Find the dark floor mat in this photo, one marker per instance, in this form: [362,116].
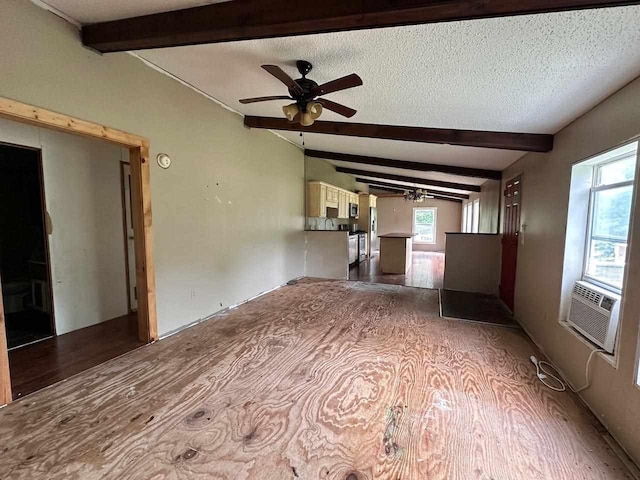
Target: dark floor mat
[477,307]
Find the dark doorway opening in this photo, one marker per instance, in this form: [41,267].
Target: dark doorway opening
[24,252]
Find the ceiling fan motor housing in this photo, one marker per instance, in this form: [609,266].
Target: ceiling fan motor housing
[307,86]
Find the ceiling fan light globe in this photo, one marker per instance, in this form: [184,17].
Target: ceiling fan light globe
[290,111]
[306,120]
[314,109]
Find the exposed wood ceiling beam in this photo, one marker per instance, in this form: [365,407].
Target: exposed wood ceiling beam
[252,19]
[417,166]
[400,190]
[402,178]
[442,193]
[529,142]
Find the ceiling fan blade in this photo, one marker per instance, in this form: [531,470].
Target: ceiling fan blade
[264,99]
[284,78]
[336,107]
[343,83]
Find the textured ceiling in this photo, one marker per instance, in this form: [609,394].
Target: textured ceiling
[532,74]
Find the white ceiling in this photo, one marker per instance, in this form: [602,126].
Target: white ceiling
[532,74]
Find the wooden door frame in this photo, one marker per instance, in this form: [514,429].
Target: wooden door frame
[141,214]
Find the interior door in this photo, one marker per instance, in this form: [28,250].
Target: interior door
[129,238]
[510,239]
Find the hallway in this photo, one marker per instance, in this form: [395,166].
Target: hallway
[427,271]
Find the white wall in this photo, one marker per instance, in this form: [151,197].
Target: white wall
[228,216]
[83,197]
[539,286]
[395,215]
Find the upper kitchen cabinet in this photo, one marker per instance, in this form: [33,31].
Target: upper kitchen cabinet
[343,204]
[316,199]
[321,196]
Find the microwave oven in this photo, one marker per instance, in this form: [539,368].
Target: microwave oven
[353,210]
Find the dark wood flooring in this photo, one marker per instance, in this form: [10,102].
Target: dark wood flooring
[427,271]
[325,380]
[49,361]
[476,307]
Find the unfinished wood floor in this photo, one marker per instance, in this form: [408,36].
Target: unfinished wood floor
[320,380]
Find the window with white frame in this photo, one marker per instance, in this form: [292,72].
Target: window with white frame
[475,224]
[609,216]
[465,216]
[424,224]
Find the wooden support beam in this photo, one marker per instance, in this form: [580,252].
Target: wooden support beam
[380,183]
[401,178]
[417,166]
[252,19]
[527,142]
[399,191]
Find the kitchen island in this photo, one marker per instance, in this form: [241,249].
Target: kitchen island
[395,252]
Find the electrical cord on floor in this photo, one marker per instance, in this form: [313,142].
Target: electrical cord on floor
[544,374]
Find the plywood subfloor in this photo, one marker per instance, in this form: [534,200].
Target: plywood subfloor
[320,380]
[427,271]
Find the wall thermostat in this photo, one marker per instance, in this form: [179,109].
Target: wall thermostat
[164,160]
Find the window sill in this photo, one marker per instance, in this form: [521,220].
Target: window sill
[612,360]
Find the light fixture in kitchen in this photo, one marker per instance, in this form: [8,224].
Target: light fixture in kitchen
[416,195]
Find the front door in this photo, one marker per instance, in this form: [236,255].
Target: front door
[510,239]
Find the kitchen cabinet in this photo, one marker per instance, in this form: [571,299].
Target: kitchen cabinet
[316,200]
[332,197]
[343,204]
[321,196]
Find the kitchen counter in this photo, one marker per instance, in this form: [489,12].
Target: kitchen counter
[327,254]
[395,252]
[397,235]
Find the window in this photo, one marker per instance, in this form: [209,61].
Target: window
[609,215]
[475,227]
[465,216]
[424,225]
[471,217]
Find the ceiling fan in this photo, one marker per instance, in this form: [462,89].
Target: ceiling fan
[308,107]
[417,195]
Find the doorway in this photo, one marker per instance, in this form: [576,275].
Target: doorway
[24,249]
[510,240]
[146,326]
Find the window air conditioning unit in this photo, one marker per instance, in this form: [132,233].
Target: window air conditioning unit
[594,312]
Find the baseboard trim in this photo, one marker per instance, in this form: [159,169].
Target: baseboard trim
[223,311]
[610,438]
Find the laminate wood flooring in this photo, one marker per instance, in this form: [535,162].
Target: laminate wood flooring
[427,271]
[318,380]
[49,361]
